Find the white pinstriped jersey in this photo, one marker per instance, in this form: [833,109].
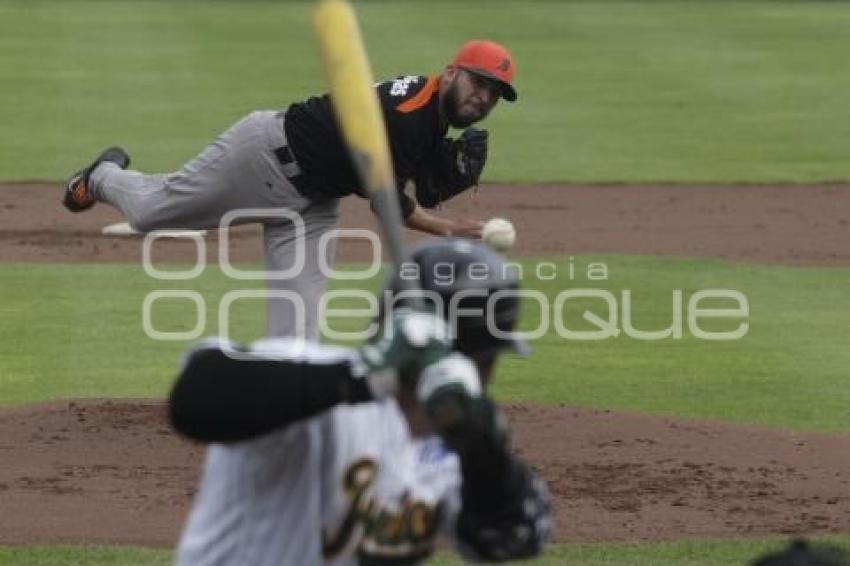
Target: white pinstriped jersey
[348,484]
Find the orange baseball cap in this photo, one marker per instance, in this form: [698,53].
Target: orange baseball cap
[488,59]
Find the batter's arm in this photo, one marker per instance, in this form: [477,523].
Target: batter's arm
[228,394]
[219,397]
[505,509]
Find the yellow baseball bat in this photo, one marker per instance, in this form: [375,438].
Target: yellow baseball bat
[359,112]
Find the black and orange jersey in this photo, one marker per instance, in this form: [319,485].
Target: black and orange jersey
[416,137]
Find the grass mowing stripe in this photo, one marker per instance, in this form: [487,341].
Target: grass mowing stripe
[696,552]
[788,369]
[84,556]
[703,552]
[75,331]
[609,91]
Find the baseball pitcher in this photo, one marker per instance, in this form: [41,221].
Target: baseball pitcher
[296,159]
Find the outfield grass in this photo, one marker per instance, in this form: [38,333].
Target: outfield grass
[679,553]
[609,91]
[59,339]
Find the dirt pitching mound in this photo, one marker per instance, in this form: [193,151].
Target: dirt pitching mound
[804,225]
[112,472]
[93,472]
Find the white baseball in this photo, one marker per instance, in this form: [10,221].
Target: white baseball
[499,234]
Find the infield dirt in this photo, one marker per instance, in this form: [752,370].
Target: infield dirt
[800,225]
[111,471]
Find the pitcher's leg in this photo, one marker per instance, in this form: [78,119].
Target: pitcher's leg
[231,173]
[297,313]
[135,194]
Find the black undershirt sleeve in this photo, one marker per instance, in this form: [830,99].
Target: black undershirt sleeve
[490,473]
[505,510]
[218,398]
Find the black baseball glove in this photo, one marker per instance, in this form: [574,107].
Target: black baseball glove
[471,148]
[456,167]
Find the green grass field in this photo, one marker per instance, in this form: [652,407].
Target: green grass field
[787,371]
[621,91]
[680,553]
[609,91]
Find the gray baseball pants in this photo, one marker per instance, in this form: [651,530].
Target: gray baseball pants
[239,170]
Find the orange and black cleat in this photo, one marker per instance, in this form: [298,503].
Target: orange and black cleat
[78,197]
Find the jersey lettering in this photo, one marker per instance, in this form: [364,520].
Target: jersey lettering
[408,530]
[402,85]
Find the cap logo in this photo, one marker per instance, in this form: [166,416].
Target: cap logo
[504,65]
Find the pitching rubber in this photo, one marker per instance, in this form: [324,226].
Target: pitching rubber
[124,229]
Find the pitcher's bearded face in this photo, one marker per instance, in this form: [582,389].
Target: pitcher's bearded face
[469,98]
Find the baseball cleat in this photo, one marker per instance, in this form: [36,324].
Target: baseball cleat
[78,197]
